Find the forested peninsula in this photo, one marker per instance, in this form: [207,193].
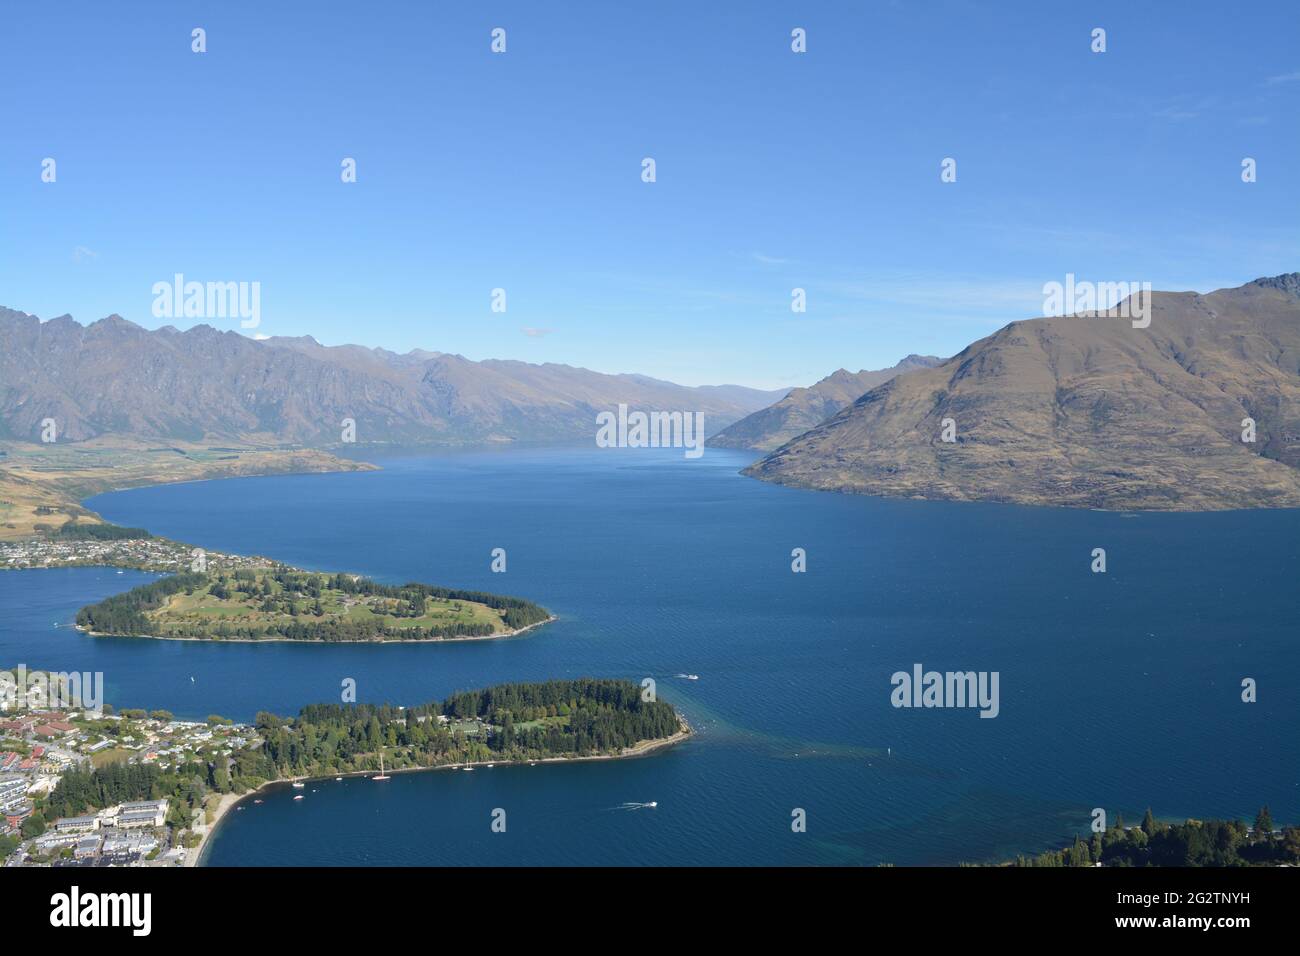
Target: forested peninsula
[580,719]
[559,719]
[286,604]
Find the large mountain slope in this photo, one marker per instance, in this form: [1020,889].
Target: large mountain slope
[805,408]
[113,377]
[1086,411]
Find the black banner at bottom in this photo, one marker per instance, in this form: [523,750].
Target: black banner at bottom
[296,906]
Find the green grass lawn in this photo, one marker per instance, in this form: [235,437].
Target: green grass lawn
[239,608]
[112,755]
[436,612]
[544,722]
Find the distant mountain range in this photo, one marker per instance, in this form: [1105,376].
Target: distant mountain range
[1083,410]
[114,377]
[1086,411]
[805,408]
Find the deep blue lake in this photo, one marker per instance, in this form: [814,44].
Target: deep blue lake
[1119,690]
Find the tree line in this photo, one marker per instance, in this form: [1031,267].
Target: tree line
[570,718]
[187,786]
[1218,843]
[522,721]
[76,531]
[124,614]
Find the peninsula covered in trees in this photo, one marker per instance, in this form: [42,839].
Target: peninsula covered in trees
[286,604]
[208,767]
[560,719]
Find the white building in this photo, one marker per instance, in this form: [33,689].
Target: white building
[76,824]
[147,813]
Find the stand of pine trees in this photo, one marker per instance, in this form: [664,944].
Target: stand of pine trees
[186,786]
[1194,843]
[573,718]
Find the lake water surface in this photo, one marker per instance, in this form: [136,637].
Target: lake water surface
[1119,690]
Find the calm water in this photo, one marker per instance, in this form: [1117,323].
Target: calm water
[1117,690]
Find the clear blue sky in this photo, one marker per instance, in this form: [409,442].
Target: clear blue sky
[522,170]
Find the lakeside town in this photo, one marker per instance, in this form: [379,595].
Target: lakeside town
[84,785]
[142,553]
[41,749]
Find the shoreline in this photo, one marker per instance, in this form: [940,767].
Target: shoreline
[106,464]
[194,856]
[288,640]
[230,800]
[154,481]
[227,801]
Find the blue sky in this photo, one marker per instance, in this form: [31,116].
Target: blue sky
[523,171]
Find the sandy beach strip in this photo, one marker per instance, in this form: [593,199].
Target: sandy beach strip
[227,801]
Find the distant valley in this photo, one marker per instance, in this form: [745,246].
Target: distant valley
[805,408]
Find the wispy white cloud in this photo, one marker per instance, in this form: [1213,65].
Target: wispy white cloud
[1283,78]
[82,254]
[1185,108]
[536,333]
[937,295]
